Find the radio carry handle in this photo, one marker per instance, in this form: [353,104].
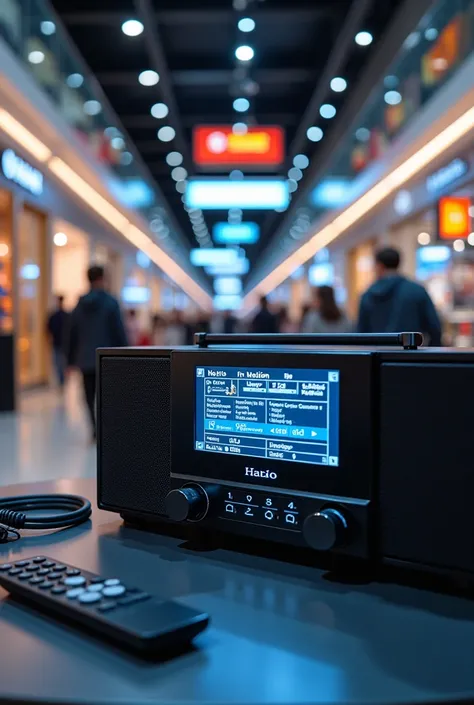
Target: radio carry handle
[408,341]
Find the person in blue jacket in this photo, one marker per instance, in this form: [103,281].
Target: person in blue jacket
[96,322]
[394,303]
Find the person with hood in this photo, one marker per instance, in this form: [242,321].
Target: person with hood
[96,322]
[394,303]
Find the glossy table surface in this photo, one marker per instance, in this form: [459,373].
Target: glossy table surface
[280,633]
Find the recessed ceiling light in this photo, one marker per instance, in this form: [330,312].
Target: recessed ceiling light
[338,84]
[75,80]
[363,39]
[244,53]
[47,28]
[236,175]
[166,133]
[60,239]
[132,28]
[36,57]
[431,34]
[159,110]
[458,245]
[179,173]
[392,97]
[246,24]
[92,107]
[301,161]
[315,134]
[424,239]
[470,239]
[181,186]
[295,174]
[174,158]
[292,185]
[363,134]
[327,111]
[240,128]
[241,105]
[112,132]
[148,78]
[126,158]
[117,142]
[4,249]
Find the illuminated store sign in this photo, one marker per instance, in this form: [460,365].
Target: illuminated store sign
[222,194]
[453,218]
[211,256]
[17,170]
[447,175]
[220,146]
[239,267]
[235,234]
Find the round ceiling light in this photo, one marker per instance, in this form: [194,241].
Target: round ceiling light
[126,158]
[132,28]
[295,174]
[327,111]
[392,97]
[244,53]
[174,158]
[148,78]
[60,239]
[181,186]
[301,161]
[47,28]
[292,185]
[92,107]
[36,57]
[315,134]
[246,24]
[363,39]
[159,110]
[166,133]
[75,80]
[117,142]
[179,173]
[338,84]
[241,105]
[236,175]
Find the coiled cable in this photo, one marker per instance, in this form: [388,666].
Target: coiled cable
[73,510]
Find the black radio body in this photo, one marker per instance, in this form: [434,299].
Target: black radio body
[360,452]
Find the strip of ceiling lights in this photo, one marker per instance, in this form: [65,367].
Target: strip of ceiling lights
[103,207]
[351,215]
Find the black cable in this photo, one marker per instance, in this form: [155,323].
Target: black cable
[13,513]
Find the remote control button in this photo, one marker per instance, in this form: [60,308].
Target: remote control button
[72,571]
[111,582]
[44,571]
[72,594]
[58,590]
[131,599]
[107,606]
[46,585]
[55,575]
[35,580]
[5,566]
[113,591]
[24,576]
[39,559]
[97,587]
[60,568]
[74,581]
[15,571]
[89,597]
[48,564]
[20,564]
[32,568]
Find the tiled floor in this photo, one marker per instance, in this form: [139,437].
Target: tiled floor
[48,438]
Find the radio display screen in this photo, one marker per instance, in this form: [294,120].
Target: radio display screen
[282,414]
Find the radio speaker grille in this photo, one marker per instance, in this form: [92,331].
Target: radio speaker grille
[427,464]
[134,405]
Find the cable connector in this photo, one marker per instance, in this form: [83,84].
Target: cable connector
[12,519]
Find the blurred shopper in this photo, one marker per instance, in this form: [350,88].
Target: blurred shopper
[175,333]
[132,327]
[265,321]
[284,323]
[230,322]
[57,329]
[394,303]
[96,322]
[324,315]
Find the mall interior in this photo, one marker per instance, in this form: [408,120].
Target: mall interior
[219,166]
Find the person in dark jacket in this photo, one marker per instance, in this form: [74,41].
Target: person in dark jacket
[394,303]
[96,322]
[57,329]
[265,321]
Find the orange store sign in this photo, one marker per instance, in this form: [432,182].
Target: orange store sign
[220,146]
[453,218]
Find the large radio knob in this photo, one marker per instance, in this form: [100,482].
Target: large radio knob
[189,503]
[325,530]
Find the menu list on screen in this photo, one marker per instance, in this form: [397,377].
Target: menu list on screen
[290,415]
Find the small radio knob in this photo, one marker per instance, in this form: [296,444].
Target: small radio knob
[189,503]
[325,530]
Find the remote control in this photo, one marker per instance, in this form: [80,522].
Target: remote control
[126,615]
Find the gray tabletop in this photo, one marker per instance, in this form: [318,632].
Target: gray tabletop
[280,633]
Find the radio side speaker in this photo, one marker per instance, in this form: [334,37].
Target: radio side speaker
[426,482]
[134,432]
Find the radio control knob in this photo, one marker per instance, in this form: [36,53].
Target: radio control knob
[189,503]
[325,530]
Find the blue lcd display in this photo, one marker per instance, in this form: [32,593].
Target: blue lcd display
[290,415]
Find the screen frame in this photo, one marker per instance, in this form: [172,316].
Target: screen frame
[351,478]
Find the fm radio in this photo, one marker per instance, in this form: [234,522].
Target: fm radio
[359,446]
